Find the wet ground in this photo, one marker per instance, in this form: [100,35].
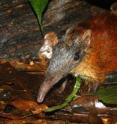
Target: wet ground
[20,85]
[18,92]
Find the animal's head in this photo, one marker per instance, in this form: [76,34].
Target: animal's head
[66,55]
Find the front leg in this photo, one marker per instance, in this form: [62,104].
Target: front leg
[88,87]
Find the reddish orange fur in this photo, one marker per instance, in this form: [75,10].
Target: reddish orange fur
[101,58]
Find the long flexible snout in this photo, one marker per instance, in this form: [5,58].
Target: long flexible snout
[46,86]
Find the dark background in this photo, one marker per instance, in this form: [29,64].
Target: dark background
[102,3]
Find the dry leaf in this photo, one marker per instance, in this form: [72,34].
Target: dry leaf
[29,105]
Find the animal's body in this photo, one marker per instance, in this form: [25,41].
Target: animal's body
[101,56]
[88,49]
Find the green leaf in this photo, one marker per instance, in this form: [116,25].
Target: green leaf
[108,95]
[69,98]
[39,7]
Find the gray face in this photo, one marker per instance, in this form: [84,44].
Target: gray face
[64,59]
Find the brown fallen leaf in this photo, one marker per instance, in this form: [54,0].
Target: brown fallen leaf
[2,105]
[31,67]
[29,105]
[25,121]
[86,101]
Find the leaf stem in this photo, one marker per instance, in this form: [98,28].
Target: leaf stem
[40,25]
[69,98]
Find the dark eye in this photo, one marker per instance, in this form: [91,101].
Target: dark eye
[77,56]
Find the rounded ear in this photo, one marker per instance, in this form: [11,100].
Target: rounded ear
[51,39]
[46,50]
[82,38]
[80,35]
